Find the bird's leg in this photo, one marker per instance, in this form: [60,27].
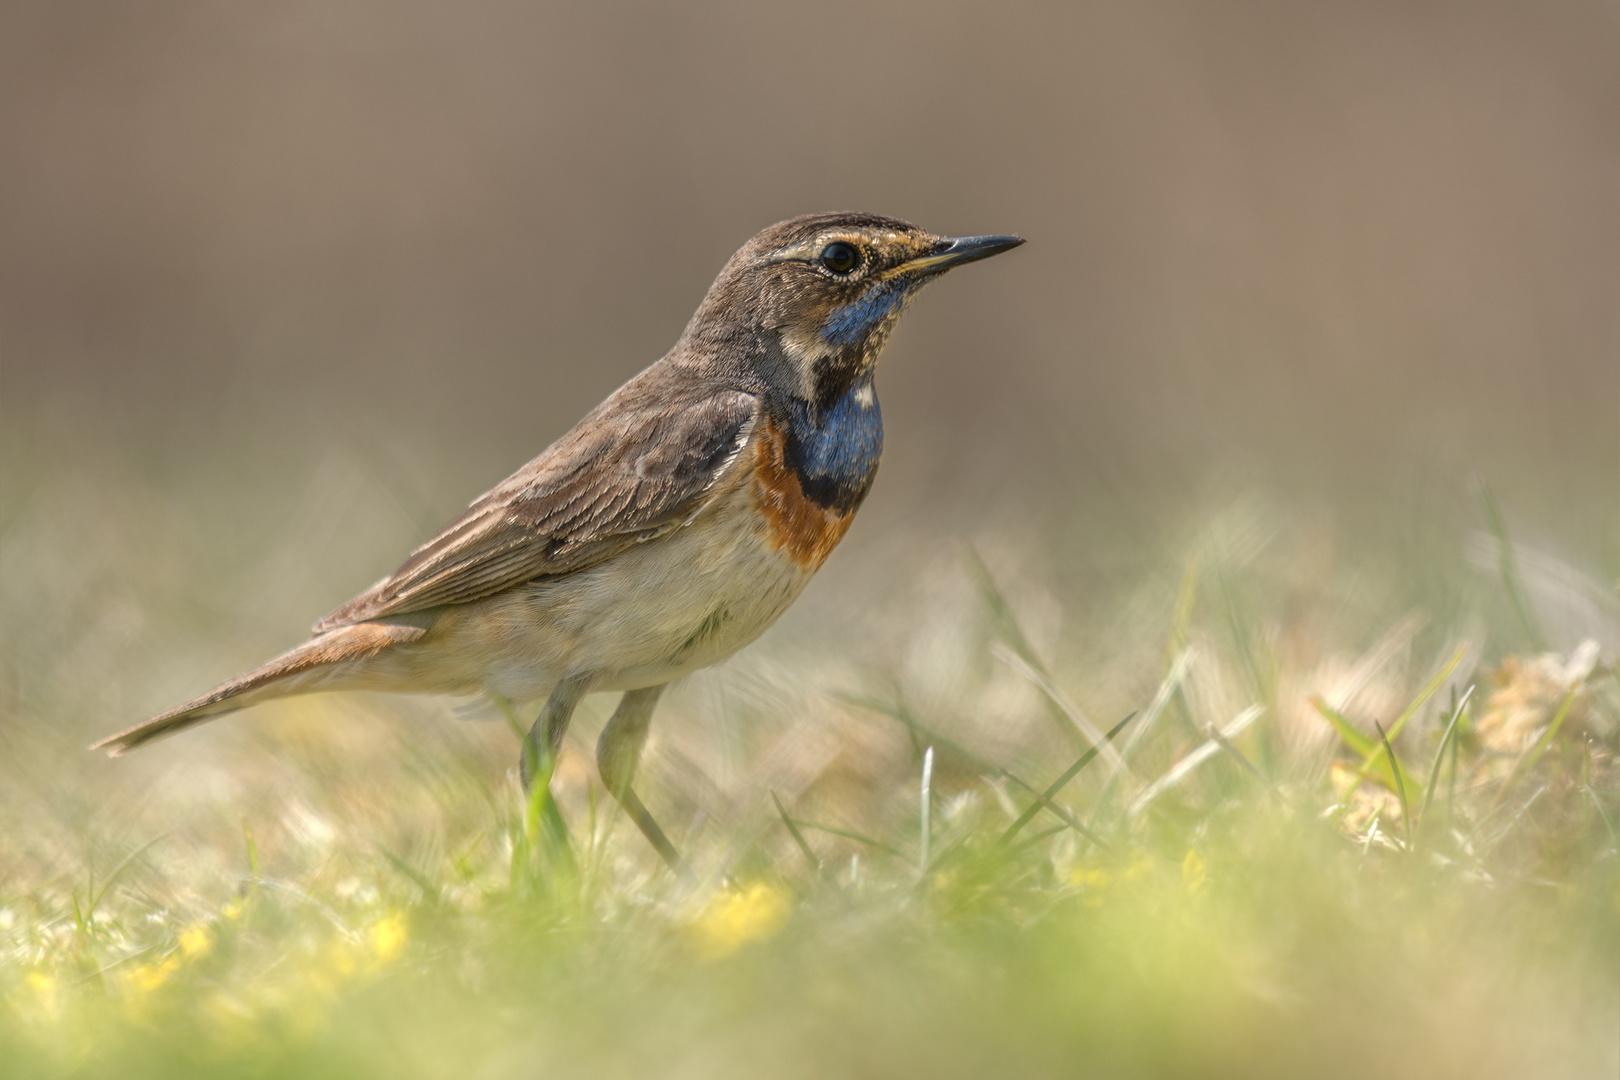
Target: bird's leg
[617,752]
[546,736]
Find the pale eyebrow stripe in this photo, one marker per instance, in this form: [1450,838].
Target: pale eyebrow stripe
[800,252]
[805,250]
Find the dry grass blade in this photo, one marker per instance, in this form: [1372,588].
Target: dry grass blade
[922,735]
[994,600]
[1532,754]
[1194,758]
[325,910]
[1168,686]
[1181,618]
[1238,755]
[1085,729]
[1505,831]
[1603,814]
[926,828]
[1012,633]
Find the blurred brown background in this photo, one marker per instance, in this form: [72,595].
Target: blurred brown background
[1358,247]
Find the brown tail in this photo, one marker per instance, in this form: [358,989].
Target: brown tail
[309,667]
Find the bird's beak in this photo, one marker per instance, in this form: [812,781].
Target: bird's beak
[956,250]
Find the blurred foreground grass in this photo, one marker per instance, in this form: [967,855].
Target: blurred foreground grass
[1363,822]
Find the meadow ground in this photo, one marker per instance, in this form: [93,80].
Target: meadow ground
[1362,821]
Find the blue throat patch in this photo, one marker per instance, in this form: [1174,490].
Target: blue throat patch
[852,322]
[836,454]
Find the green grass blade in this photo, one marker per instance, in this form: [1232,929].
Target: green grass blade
[793,831]
[1440,755]
[847,834]
[1400,785]
[1045,797]
[1353,738]
[544,835]
[1429,690]
[123,864]
[252,849]
[430,891]
[1369,763]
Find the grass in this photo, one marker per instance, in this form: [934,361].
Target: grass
[1346,827]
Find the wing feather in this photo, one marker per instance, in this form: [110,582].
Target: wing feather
[640,464]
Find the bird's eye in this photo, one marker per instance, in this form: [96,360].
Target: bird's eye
[840,257]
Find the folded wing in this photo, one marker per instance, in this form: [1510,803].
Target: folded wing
[630,471]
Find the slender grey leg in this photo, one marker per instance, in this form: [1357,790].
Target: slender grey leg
[617,752]
[546,736]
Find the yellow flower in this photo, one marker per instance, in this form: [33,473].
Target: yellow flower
[196,942]
[44,987]
[387,936]
[732,920]
[148,977]
[1090,877]
[1194,871]
[1094,882]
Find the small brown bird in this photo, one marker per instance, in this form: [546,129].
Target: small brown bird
[667,530]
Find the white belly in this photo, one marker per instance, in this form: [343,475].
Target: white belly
[650,614]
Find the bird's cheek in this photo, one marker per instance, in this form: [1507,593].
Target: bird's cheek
[808,351]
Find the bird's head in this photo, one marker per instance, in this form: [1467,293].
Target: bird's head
[811,301]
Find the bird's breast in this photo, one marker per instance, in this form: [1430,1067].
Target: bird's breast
[812,473]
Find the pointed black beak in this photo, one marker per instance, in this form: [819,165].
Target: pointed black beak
[956,250]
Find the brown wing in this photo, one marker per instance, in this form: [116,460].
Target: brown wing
[637,466]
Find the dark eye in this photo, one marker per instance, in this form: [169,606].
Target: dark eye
[840,257]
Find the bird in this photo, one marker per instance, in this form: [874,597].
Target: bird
[666,530]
